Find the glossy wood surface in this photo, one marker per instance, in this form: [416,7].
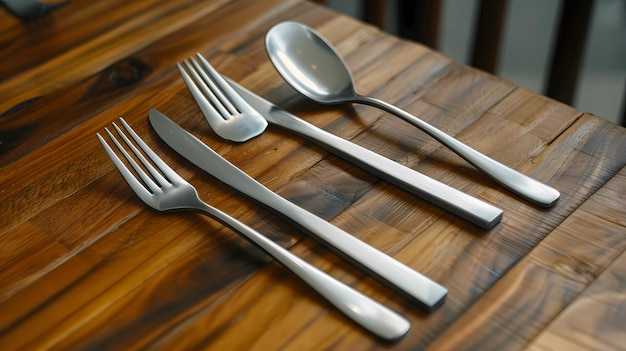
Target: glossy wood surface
[84,264]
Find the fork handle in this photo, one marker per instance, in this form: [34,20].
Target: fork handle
[368,313]
[404,280]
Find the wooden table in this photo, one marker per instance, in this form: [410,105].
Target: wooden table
[85,264]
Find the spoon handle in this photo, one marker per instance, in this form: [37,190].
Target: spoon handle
[525,186]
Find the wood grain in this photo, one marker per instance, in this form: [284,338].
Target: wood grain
[562,270]
[86,265]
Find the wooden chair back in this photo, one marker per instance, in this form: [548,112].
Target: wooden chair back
[419,20]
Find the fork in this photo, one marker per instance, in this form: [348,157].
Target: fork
[163,189]
[213,93]
[236,120]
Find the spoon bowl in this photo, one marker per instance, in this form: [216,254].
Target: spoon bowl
[309,63]
[312,66]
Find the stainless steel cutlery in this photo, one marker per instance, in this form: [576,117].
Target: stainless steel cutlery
[411,284]
[236,114]
[229,108]
[311,65]
[160,187]
[227,113]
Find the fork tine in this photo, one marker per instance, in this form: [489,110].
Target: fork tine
[202,82]
[239,124]
[136,185]
[232,95]
[167,171]
[216,94]
[150,183]
[208,110]
[152,186]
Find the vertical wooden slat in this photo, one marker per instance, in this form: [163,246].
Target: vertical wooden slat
[419,20]
[488,34]
[623,116]
[374,12]
[568,49]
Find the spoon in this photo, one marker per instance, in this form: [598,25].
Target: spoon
[312,66]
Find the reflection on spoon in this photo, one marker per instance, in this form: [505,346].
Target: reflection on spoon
[312,66]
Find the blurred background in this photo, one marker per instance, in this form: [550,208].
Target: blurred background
[527,39]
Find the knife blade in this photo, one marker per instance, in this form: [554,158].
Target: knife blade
[421,290]
[457,202]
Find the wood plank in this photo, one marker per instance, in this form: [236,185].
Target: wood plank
[434,235]
[71,112]
[88,59]
[595,320]
[25,253]
[555,273]
[18,40]
[89,266]
[118,76]
[80,136]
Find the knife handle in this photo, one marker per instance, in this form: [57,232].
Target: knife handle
[459,203]
[409,283]
[413,285]
[370,314]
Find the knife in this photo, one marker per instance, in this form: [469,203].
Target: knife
[461,204]
[421,290]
